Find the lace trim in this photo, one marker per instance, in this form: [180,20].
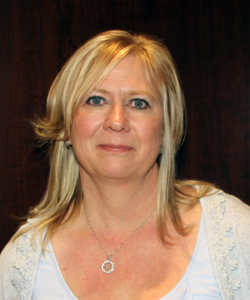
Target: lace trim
[25,265]
[223,246]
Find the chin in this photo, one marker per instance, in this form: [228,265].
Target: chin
[117,173]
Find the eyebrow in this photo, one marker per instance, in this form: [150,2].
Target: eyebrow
[131,93]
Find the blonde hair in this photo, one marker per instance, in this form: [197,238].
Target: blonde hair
[85,70]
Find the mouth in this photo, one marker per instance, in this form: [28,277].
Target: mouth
[115,148]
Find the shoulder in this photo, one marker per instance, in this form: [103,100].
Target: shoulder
[219,206]
[18,262]
[9,252]
[232,208]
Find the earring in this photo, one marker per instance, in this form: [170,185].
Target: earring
[67,144]
[161,149]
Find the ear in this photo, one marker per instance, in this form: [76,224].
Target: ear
[70,137]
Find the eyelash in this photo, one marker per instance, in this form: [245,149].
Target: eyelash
[142,100]
[131,101]
[92,98]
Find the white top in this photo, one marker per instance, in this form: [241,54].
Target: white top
[198,282]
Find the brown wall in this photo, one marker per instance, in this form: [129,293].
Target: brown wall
[209,41]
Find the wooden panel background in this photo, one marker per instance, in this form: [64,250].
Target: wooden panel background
[209,40]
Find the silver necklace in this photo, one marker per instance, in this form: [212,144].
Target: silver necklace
[108,266]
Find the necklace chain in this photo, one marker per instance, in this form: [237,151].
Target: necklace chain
[108,266]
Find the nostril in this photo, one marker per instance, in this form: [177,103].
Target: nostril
[117,120]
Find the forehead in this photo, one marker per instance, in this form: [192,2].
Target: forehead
[129,66]
[129,73]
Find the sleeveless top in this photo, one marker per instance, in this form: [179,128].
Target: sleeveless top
[198,281]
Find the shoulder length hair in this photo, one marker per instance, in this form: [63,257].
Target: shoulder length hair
[83,72]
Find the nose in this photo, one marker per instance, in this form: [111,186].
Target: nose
[116,119]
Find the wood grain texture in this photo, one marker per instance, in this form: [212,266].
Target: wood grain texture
[210,41]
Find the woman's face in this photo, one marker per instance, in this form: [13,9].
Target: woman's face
[117,132]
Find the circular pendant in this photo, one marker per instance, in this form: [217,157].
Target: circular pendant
[108,266]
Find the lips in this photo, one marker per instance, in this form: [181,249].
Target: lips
[115,148]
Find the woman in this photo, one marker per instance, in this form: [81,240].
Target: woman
[114,223]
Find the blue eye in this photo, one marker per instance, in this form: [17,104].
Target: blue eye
[139,104]
[95,100]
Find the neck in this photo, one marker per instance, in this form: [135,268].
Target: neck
[115,203]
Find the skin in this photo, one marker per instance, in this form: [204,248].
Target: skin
[117,139]
[117,143]
[120,137]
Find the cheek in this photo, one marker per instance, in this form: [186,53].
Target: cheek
[152,133]
[83,126]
